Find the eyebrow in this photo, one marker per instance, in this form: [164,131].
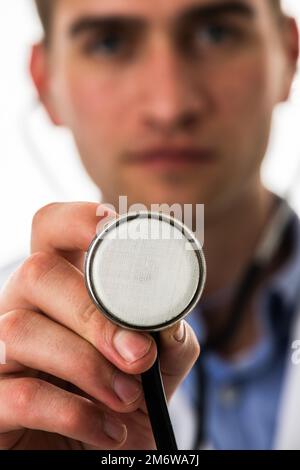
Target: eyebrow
[211,11]
[128,22]
[99,23]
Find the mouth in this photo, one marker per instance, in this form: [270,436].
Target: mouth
[172,158]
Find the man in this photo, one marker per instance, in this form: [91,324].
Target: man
[169,102]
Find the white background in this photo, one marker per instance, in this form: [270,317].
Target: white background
[30,146]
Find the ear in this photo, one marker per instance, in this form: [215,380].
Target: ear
[291,50]
[40,73]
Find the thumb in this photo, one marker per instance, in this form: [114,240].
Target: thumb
[179,350]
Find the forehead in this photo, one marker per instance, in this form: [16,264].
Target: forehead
[148,9]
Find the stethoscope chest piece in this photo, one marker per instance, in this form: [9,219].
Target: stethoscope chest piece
[145,271]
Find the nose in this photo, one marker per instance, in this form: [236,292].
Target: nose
[172,98]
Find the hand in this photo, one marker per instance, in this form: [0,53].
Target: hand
[72,380]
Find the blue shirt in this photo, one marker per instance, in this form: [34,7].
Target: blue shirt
[242,398]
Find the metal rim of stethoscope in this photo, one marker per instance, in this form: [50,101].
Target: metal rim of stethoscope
[112,225]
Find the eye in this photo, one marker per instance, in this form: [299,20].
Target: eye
[207,38]
[108,44]
[213,34]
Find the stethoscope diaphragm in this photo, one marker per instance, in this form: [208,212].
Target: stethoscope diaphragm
[145,271]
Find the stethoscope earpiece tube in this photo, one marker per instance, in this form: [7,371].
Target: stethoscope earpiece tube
[156,403]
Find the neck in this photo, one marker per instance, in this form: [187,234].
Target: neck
[231,238]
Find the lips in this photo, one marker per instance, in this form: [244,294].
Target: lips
[182,156]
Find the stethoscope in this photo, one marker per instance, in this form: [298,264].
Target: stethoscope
[146,271]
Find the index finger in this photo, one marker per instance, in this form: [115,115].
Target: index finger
[67,229]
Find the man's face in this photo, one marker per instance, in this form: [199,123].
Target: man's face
[169,101]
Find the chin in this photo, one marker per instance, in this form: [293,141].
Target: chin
[196,189]
[166,195]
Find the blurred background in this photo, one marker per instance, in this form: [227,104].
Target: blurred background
[38,162]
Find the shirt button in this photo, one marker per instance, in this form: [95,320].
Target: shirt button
[228,395]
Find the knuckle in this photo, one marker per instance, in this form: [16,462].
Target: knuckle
[24,394]
[72,416]
[42,214]
[36,266]
[13,324]
[88,312]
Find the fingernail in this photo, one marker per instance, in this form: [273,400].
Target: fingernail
[131,346]
[113,428]
[179,334]
[126,388]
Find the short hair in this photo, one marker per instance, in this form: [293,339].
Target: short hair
[45,12]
